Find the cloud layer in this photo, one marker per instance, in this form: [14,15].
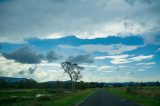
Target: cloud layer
[57,18]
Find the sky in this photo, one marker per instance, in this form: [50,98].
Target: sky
[114,40]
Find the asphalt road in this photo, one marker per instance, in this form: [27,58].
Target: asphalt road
[103,98]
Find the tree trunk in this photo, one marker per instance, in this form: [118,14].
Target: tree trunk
[72,84]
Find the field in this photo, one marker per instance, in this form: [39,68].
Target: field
[42,97]
[144,96]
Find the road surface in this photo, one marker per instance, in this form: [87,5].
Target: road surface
[103,98]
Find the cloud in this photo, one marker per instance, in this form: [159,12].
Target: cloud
[130,72]
[149,63]
[114,50]
[27,55]
[52,71]
[23,55]
[11,68]
[120,61]
[112,57]
[133,2]
[116,59]
[125,58]
[131,59]
[43,72]
[80,59]
[106,68]
[142,69]
[52,55]
[141,18]
[110,49]
[141,57]
[89,66]
[30,70]
[45,64]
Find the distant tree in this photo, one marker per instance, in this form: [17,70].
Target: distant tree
[73,70]
[157,83]
[3,83]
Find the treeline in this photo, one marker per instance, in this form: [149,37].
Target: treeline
[29,83]
[67,85]
[130,84]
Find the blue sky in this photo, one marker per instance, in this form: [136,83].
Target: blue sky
[114,40]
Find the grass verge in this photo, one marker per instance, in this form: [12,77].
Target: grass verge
[50,97]
[139,99]
[71,100]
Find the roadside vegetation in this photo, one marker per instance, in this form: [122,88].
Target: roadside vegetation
[72,99]
[142,95]
[43,97]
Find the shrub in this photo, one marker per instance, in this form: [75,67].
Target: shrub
[129,90]
[156,96]
[36,103]
[43,98]
[9,99]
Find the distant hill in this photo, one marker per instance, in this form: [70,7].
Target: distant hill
[14,80]
[10,82]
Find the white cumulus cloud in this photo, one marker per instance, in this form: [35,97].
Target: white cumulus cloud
[141,57]
[149,63]
[106,69]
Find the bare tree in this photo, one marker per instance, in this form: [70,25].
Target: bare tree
[73,70]
[77,73]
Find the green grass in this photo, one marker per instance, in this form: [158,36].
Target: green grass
[139,99]
[152,87]
[21,92]
[58,98]
[71,99]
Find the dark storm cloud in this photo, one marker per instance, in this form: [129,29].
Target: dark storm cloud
[80,59]
[52,55]
[27,55]
[24,55]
